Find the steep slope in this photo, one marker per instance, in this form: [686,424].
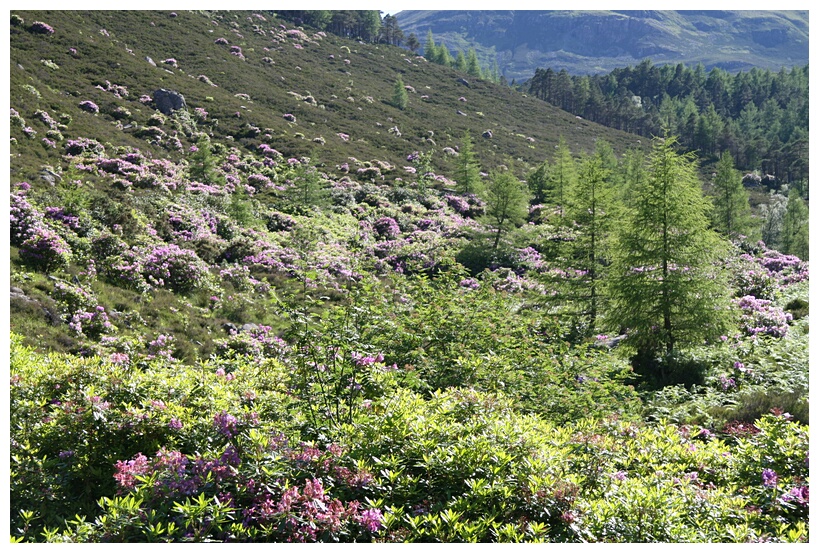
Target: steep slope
[333,88]
[585,42]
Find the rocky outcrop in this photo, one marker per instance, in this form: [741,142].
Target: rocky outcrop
[168,101]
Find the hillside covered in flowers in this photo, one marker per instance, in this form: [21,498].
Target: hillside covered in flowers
[269,284]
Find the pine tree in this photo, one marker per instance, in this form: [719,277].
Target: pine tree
[732,212]
[399,94]
[507,202]
[413,43]
[666,285]
[467,173]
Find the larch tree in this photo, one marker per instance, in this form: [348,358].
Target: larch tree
[732,212]
[667,286]
[467,172]
[538,181]
[399,94]
[507,203]
[562,176]
[430,49]
[590,207]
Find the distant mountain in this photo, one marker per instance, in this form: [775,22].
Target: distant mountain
[587,42]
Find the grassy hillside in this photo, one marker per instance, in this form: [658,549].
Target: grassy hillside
[348,87]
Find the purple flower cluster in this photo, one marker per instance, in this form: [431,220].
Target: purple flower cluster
[387,227]
[769,478]
[259,343]
[117,90]
[763,317]
[82,146]
[221,40]
[169,266]
[161,347]
[24,217]
[41,28]
[89,106]
[289,117]
[91,324]
[45,249]
[237,51]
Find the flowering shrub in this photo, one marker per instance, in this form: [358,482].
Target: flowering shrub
[24,217]
[763,317]
[89,106]
[259,343]
[73,298]
[91,324]
[45,249]
[387,228]
[169,266]
[40,28]
[162,346]
[82,146]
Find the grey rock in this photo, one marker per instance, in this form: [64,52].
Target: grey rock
[168,101]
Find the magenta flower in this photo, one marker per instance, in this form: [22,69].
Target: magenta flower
[769,478]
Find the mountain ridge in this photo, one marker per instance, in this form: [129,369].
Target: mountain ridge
[587,42]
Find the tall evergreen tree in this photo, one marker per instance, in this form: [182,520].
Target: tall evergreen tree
[460,62]
[562,176]
[472,65]
[538,181]
[732,212]
[667,287]
[467,172]
[413,43]
[507,203]
[591,206]
[399,94]
[430,49]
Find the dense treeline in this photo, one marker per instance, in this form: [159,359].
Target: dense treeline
[366,25]
[760,117]
[466,63]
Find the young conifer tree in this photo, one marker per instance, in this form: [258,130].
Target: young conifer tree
[399,94]
[667,286]
[467,173]
[590,207]
[732,212]
[562,177]
[430,49]
[507,202]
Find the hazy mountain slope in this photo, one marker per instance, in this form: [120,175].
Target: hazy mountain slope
[596,41]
